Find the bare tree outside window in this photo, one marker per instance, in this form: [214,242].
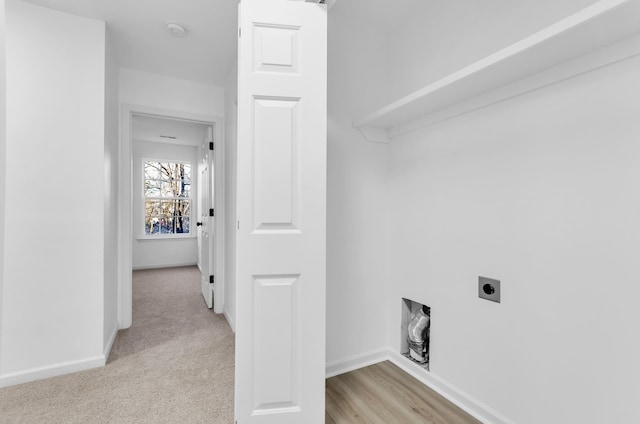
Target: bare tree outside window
[167,198]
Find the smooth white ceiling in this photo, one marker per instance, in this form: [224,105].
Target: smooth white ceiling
[137,28]
[151,128]
[209,50]
[385,14]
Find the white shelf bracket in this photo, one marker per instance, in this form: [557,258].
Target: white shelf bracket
[374,134]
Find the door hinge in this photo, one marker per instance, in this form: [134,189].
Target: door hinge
[211,279]
[212,212]
[211,145]
[239,32]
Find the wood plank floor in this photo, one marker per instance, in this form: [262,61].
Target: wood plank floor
[384,394]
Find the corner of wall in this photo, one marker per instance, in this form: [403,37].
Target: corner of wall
[229,164]
[453,394]
[111,170]
[3,156]
[356,194]
[56,326]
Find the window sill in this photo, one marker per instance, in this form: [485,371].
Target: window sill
[167,237]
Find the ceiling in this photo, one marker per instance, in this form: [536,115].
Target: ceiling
[151,128]
[137,28]
[209,50]
[385,14]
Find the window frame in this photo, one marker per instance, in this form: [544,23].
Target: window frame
[142,214]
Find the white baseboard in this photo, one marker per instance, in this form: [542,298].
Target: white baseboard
[175,265]
[464,401]
[355,362]
[232,324]
[40,373]
[112,338]
[469,404]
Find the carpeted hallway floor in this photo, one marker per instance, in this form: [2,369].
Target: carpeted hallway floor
[174,365]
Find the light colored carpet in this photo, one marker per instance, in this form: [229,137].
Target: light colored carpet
[174,365]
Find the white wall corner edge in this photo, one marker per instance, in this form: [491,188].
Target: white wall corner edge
[55,370]
[462,400]
[109,345]
[229,319]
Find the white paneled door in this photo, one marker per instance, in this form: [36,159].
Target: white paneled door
[281,212]
[205,224]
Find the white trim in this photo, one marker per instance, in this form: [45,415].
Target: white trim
[462,400]
[167,237]
[355,362]
[3,155]
[125,201]
[49,371]
[125,229]
[219,202]
[172,265]
[109,345]
[229,319]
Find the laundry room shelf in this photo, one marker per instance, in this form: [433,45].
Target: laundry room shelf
[567,48]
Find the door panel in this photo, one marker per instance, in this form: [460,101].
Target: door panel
[276,163]
[281,210]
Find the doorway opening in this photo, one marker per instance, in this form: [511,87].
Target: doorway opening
[171,182]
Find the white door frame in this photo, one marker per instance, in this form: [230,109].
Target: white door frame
[125,211]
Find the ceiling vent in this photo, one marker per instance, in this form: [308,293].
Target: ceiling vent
[176,30]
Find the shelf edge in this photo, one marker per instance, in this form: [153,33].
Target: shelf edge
[375,134]
[589,14]
[610,55]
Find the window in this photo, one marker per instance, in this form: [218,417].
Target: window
[167,198]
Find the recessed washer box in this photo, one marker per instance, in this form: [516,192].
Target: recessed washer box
[410,309]
[489,289]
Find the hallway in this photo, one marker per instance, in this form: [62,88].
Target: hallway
[175,364]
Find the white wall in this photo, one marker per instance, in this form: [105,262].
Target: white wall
[53,282]
[159,253]
[230,159]
[356,195]
[439,38]
[144,89]
[540,192]
[111,194]
[3,145]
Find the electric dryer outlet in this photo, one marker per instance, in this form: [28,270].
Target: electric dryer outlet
[489,289]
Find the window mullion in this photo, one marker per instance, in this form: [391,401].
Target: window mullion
[167,213]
